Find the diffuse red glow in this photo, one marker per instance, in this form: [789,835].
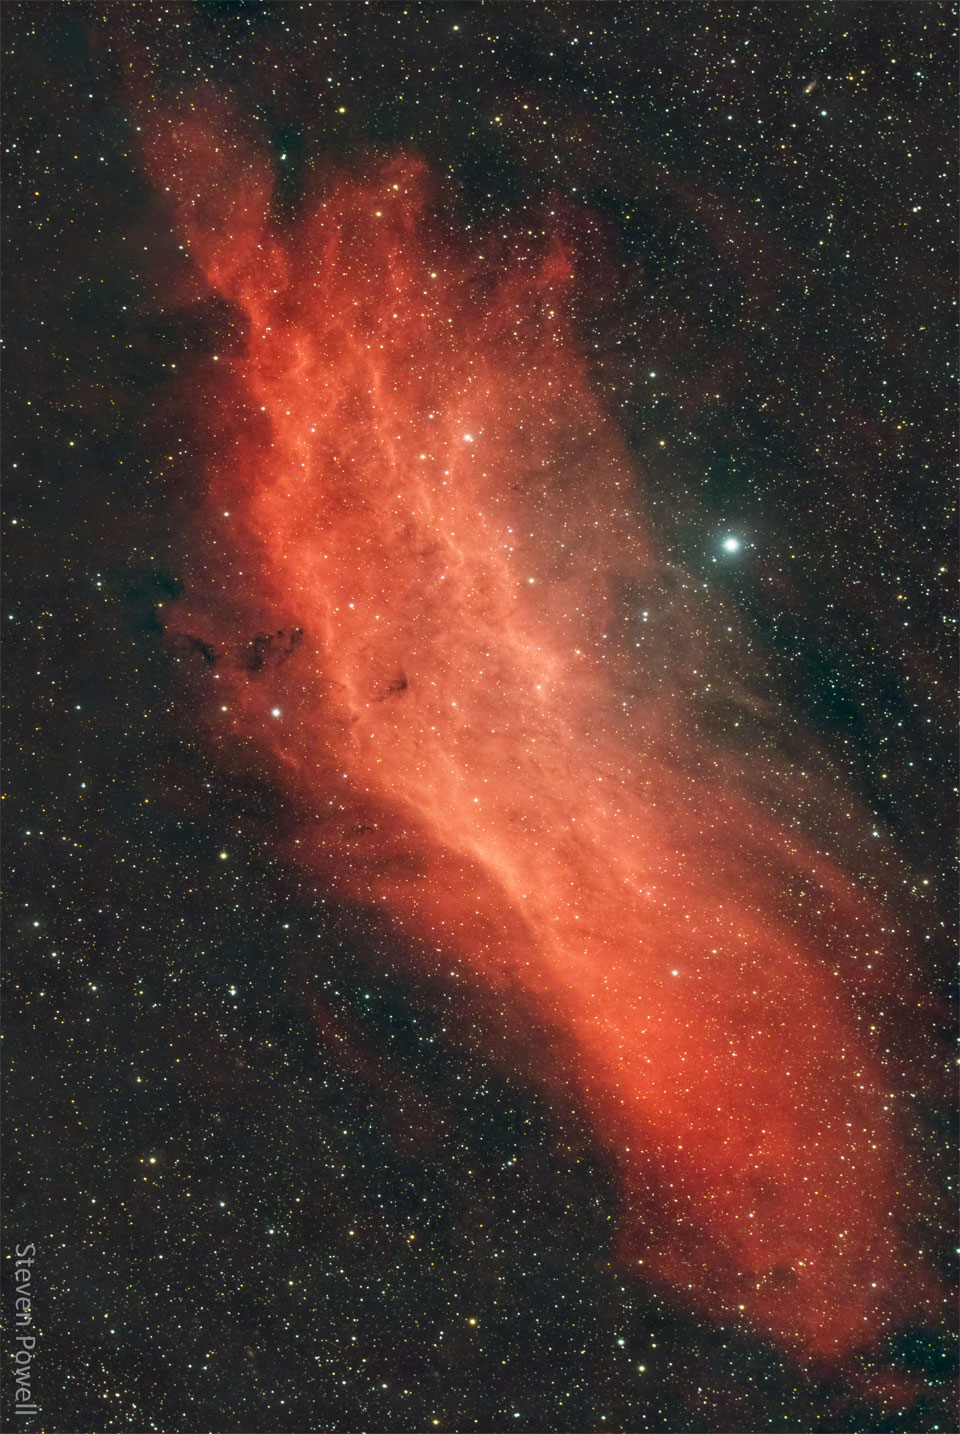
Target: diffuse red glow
[414,472]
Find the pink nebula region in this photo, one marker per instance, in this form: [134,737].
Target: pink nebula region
[415,522]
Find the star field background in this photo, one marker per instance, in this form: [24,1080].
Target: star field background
[255,1212]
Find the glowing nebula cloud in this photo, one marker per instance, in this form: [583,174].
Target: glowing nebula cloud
[415,520]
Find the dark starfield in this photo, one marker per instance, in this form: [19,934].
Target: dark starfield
[479,630]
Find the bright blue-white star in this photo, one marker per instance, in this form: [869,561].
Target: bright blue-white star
[732,544]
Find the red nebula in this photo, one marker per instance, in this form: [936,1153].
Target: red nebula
[413,526]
